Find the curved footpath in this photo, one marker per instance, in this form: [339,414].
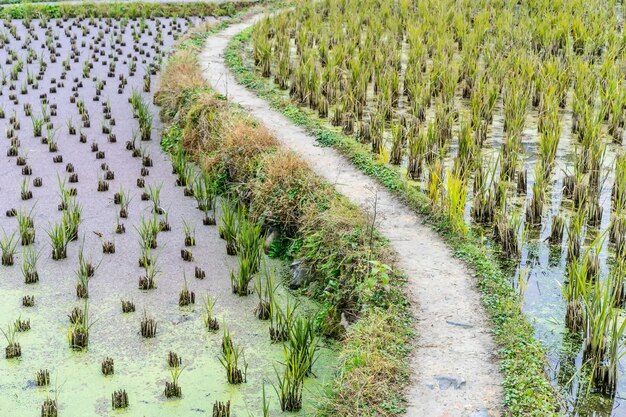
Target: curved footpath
[455,365]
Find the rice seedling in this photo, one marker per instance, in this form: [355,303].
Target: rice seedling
[108,247]
[604,328]
[206,199]
[281,319]
[303,343]
[173,360]
[241,280]
[28,301]
[506,231]
[107,366]
[172,388]
[72,217]
[290,384]
[250,242]
[82,284]
[78,332]
[233,360]
[85,266]
[148,326]
[25,191]
[186,296]
[37,125]
[456,198]
[148,231]
[119,400]
[190,234]
[556,231]
[42,378]
[29,266]
[199,273]
[228,226]
[221,409]
[8,246]
[210,321]
[574,233]
[128,306]
[265,292]
[151,272]
[13,349]
[535,207]
[164,224]
[186,255]
[155,196]
[123,198]
[49,408]
[26,226]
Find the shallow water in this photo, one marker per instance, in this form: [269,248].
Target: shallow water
[140,364]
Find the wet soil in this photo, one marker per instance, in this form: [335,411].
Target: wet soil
[140,364]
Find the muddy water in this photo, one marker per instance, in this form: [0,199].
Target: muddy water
[542,265]
[140,364]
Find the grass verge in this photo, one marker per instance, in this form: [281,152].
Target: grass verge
[114,10]
[347,259]
[528,391]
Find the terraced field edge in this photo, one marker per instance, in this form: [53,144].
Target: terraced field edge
[528,391]
[351,264]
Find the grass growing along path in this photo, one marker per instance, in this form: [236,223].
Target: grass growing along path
[317,225]
[526,386]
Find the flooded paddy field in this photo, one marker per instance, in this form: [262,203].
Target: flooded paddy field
[523,147]
[101,248]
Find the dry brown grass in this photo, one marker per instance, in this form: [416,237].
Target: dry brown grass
[284,190]
[181,77]
[243,147]
[205,124]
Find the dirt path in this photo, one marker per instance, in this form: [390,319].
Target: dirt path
[455,369]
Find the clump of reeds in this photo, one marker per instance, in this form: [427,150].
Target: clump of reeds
[78,332]
[28,301]
[172,388]
[119,400]
[265,292]
[8,247]
[190,234]
[281,319]
[186,296]
[13,349]
[199,273]
[42,378]
[210,321]
[148,280]
[128,306]
[108,366]
[221,409]
[205,195]
[556,230]
[49,408]
[26,227]
[233,359]
[300,355]
[173,360]
[148,326]
[228,226]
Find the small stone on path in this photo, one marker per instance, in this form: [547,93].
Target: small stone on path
[447,381]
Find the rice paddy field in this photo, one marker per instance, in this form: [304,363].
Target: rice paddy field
[510,117]
[128,286]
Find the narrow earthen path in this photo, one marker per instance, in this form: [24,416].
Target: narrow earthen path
[455,367]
